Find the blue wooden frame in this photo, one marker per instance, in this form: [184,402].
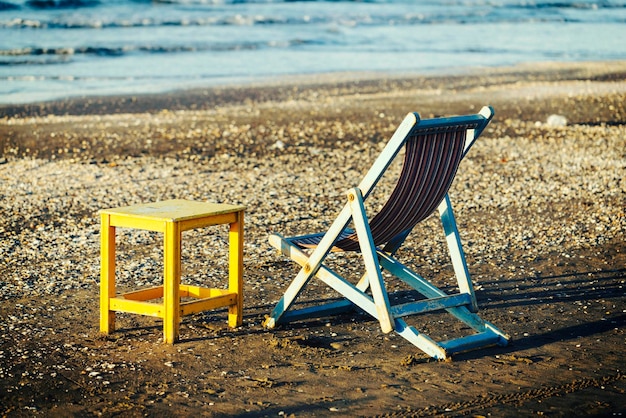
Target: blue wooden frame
[462,305]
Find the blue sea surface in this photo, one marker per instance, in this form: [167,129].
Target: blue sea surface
[54,49]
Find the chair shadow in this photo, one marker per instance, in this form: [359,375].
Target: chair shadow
[602,284]
[572,287]
[586,329]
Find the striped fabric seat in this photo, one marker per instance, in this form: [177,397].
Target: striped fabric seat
[431,161]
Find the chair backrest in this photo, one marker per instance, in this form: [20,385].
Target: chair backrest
[434,149]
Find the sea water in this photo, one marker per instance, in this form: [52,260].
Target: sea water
[54,49]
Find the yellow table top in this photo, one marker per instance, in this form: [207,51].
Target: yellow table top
[175,210]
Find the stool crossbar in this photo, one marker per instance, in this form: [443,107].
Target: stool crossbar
[171,217]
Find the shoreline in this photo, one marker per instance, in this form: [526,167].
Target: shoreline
[539,207]
[329,84]
[528,93]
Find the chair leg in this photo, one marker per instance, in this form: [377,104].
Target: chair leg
[291,294]
[372,266]
[421,341]
[310,265]
[355,295]
[313,266]
[430,291]
[453,239]
[489,336]
[485,333]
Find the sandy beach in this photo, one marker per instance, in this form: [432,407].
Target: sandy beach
[540,203]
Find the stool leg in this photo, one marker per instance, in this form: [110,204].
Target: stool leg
[107,274]
[171,282]
[235,270]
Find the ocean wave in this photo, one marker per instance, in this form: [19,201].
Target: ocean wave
[590,5]
[78,4]
[24,56]
[99,78]
[33,61]
[76,78]
[8,6]
[468,16]
[61,4]
[235,20]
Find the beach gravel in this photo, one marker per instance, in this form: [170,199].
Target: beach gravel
[540,202]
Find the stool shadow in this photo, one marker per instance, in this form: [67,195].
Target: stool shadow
[216,320]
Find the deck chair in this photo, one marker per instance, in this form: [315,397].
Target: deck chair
[433,150]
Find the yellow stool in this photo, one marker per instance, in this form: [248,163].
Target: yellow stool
[171,217]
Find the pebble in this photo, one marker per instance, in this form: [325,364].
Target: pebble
[556,120]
